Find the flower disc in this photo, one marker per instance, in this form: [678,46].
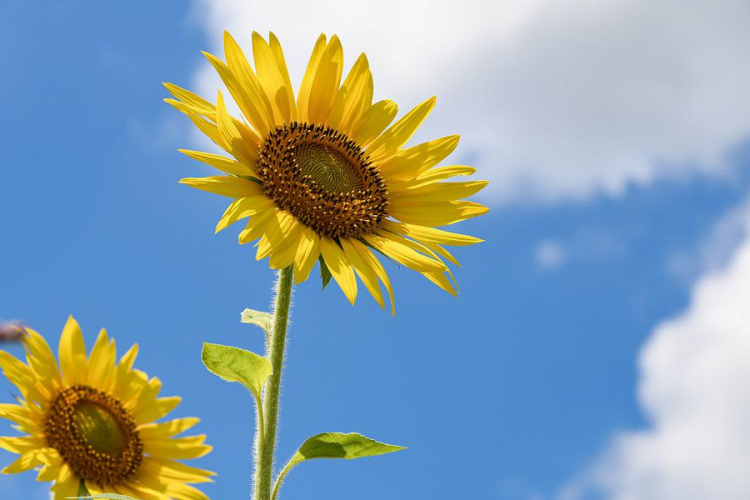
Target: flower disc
[324,179]
[95,435]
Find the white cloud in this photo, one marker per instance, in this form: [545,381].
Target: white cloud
[550,254]
[695,391]
[554,99]
[717,248]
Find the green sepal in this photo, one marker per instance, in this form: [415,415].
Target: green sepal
[325,273]
[237,365]
[258,318]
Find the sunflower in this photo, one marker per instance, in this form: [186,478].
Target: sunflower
[91,423]
[326,176]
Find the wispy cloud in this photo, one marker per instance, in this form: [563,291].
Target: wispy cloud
[695,391]
[555,99]
[550,254]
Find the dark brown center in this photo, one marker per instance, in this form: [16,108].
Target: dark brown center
[95,435]
[324,179]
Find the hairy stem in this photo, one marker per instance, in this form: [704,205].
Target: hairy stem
[276,348]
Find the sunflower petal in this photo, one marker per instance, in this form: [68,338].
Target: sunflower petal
[278,234]
[232,187]
[42,360]
[72,353]
[250,96]
[441,191]
[375,264]
[177,448]
[168,429]
[274,78]
[365,272]
[284,256]
[373,121]
[256,226]
[436,213]
[353,98]
[340,267]
[400,132]
[24,463]
[393,246]
[193,100]
[304,96]
[326,82]
[242,208]
[409,163]
[428,234]
[307,254]
[228,165]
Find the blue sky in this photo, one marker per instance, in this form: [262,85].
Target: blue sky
[514,390]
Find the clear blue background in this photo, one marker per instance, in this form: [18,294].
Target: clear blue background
[503,393]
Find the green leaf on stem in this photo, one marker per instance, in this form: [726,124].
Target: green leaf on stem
[325,273]
[237,365]
[340,445]
[334,445]
[258,318]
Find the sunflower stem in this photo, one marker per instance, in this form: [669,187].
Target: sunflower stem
[276,349]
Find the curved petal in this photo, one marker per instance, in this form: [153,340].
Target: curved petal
[227,165]
[257,109]
[375,264]
[303,98]
[101,365]
[326,82]
[409,163]
[242,208]
[256,226]
[373,121]
[390,141]
[428,234]
[436,213]
[340,267]
[307,255]
[232,187]
[431,176]
[274,78]
[72,353]
[393,246]
[353,98]
[42,360]
[254,107]
[441,191]
[365,272]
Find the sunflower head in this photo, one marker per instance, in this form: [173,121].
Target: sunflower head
[90,423]
[327,175]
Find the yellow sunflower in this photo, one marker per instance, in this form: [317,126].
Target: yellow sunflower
[91,423]
[326,176]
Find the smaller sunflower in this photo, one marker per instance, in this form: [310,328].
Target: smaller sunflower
[92,422]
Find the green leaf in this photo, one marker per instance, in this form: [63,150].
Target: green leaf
[325,273]
[237,365]
[334,445]
[340,445]
[258,318]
